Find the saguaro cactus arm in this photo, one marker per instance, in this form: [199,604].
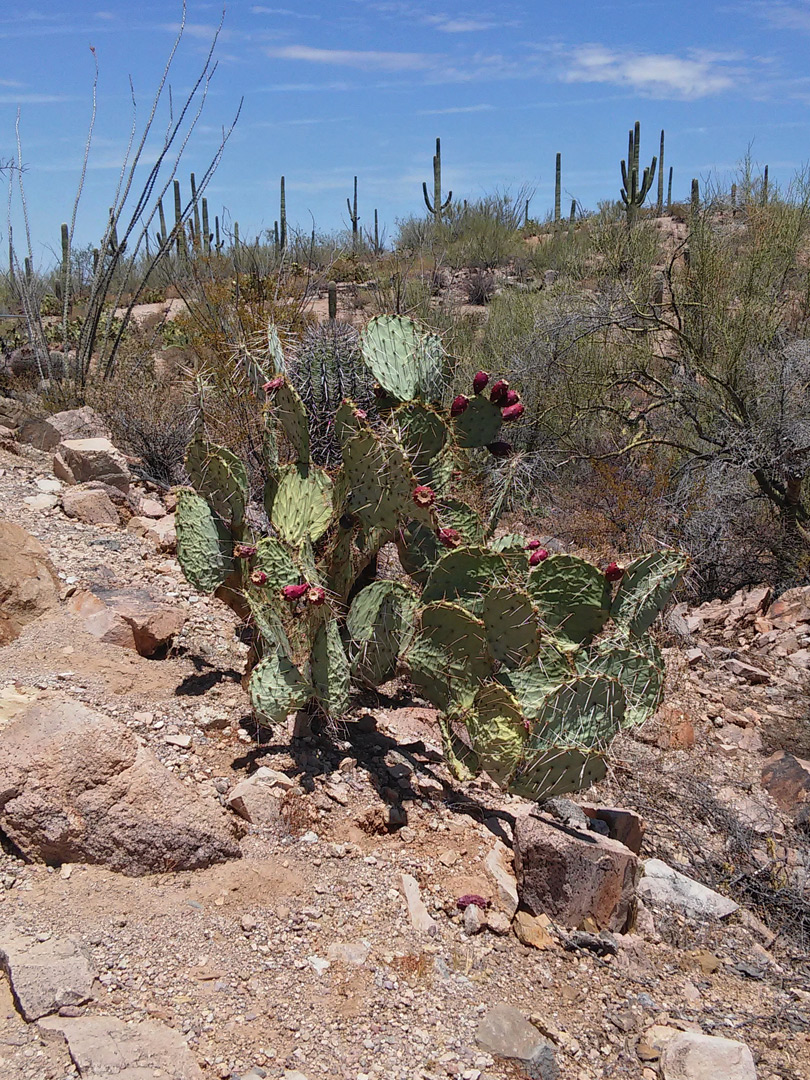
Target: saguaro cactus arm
[437,207]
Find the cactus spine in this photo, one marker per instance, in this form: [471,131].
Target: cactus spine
[635,187]
[437,207]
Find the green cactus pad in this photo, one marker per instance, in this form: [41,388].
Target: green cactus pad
[380,488]
[513,629]
[405,362]
[293,418]
[423,434]
[510,544]
[419,551]
[347,422]
[641,679]
[302,507]
[448,657]
[265,613]
[585,712]
[645,589]
[274,560]
[381,625]
[340,562]
[276,688]
[329,670]
[479,424]
[275,353]
[573,597]
[441,471]
[204,547]
[220,477]
[532,684]
[558,771]
[464,575]
[497,731]
[455,514]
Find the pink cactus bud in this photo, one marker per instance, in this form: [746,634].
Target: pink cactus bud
[294,592]
[512,397]
[513,412]
[537,557]
[480,380]
[258,577]
[472,899]
[450,538]
[316,595]
[361,414]
[500,449]
[244,551]
[614,572]
[527,724]
[273,385]
[459,405]
[424,495]
[499,391]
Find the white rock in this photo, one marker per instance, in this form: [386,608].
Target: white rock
[420,919]
[692,1056]
[668,888]
[499,864]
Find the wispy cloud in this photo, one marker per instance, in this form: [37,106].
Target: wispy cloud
[655,74]
[456,109]
[365,60]
[260,9]
[446,25]
[34,99]
[785,16]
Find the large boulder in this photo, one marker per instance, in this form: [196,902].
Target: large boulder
[77,461]
[12,412]
[666,888]
[28,582]
[786,778]
[45,433]
[573,875]
[130,618]
[77,786]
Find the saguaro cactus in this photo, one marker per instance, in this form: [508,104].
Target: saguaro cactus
[196,239]
[634,188]
[354,217]
[669,192]
[660,207]
[282,217]
[437,207]
[178,219]
[557,188]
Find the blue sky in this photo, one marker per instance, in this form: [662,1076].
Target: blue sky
[364,87]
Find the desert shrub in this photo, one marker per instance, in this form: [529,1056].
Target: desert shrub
[480,287]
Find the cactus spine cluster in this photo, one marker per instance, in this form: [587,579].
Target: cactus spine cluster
[508,642]
[635,185]
[437,207]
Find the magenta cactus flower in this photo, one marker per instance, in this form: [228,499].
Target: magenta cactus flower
[424,495]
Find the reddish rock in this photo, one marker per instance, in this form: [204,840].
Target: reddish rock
[77,461]
[624,825]
[792,608]
[130,618]
[161,533]
[93,507]
[572,876]
[28,583]
[79,787]
[787,780]
[47,432]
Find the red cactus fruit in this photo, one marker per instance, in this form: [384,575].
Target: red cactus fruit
[470,899]
[294,592]
[480,380]
[258,577]
[499,391]
[500,449]
[424,495]
[513,412]
[450,538]
[316,595]
[533,545]
[244,551]
[537,557]
[512,397]
[614,572]
[459,405]
[273,385]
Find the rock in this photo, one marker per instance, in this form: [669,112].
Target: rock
[786,778]
[420,919]
[748,672]
[800,659]
[351,953]
[105,1048]
[92,506]
[45,976]
[499,865]
[28,583]
[182,742]
[505,1032]
[667,888]
[792,607]
[497,922]
[474,919]
[161,533]
[692,1056]
[41,502]
[49,485]
[257,798]
[151,508]
[47,432]
[77,461]
[77,786]
[571,876]
[8,440]
[12,412]
[532,930]
[623,825]
[130,618]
